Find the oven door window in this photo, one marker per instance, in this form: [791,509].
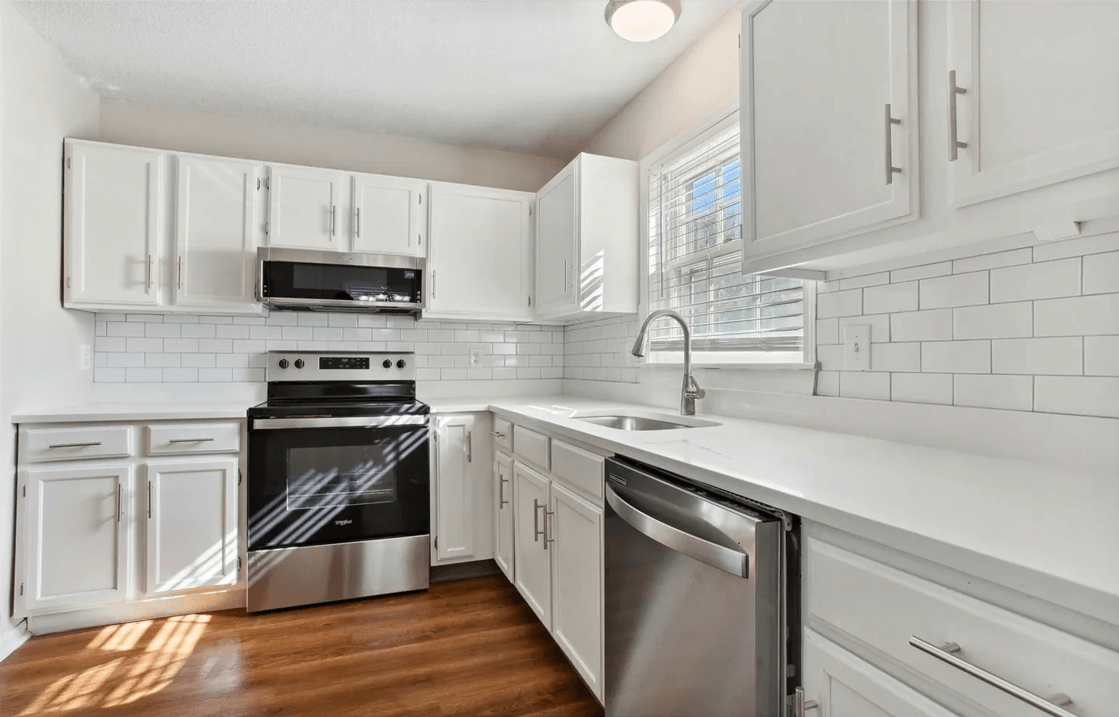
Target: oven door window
[314,486]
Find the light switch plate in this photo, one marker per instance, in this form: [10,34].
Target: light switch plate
[856,348]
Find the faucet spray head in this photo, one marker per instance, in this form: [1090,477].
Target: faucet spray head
[638,349]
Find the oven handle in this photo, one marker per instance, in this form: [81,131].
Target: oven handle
[265,424]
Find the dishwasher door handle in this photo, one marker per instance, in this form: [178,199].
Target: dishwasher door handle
[726,559]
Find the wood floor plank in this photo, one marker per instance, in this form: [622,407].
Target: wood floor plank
[471,647]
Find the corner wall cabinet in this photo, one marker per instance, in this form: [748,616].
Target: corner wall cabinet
[110,528]
[461,510]
[586,240]
[1017,145]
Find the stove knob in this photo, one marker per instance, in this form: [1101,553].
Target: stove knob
[387,364]
[299,363]
[283,363]
[400,363]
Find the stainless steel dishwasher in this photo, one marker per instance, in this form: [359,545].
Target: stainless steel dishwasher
[696,608]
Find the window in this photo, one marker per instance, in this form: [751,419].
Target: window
[695,258]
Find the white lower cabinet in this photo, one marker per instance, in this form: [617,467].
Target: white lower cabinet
[192,524]
[843,685]
[574,530]
[532,563]
[461,511]
[77,536]
[503,512]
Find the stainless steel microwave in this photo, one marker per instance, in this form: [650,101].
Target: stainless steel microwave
[305,280]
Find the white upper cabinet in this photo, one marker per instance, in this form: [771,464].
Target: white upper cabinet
[829,121]
[113,223]
[1036,98]
[192,524]
[586,240]
[77,537]
[307,208]
[388,216]
[217,226]
[479,254]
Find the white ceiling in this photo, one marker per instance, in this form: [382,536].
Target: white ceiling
[523,75]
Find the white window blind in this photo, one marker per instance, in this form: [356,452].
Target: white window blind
[695,258]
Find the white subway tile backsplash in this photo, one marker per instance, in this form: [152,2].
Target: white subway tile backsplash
[121,328]
[860,384]
[1007,392]
[215,374]
[857,282]
[1063,356]
[890,299]
[1076,247]
[895,357]
[956,357]
[181,345]
[1101,355]
[1101,273]
[1077,316]
[957,290]
[839,303]
[314,318]
[217,346]
[143,375]
[180,375]
[108,343]
[1047,280]
[921,387]
[827,331]
[146,345]
[266,332]
[993,321]
[124,360]
[199,360]
[924,271]
[827,383]
[323,333]
[879,326]
[935,325]
[232,331]
[162,331]
[198,331]
[1080,395]
[993,261]
[162,360]
[109,375]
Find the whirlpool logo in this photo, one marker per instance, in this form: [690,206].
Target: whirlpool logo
[343,522]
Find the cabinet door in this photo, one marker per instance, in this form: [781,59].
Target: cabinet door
[503,509]
[387,215]
[479,253]
[817,142]
[557,242]
[192,524]
[304,209]
[216,220]
[454,489]
[532,557]
[78,537]
[845,686]
[575,529]
[113,221]
[1038,102]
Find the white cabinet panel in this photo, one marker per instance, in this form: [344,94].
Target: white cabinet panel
[1034,109]
[192,524]
[579,469]
[842,685]
[169,439]
[479,254]
[387,215]
[454,489]
[113,223]
[78,535]
[503,509]
[817,141]
[575,529]
[50,443]
[556,239]
[216,225]
[305,208]
[531,556]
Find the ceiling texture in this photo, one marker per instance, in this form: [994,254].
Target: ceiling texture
[539,77]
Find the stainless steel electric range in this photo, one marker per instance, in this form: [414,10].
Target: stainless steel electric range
[338,485]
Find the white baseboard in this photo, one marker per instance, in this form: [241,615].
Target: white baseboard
[117,613]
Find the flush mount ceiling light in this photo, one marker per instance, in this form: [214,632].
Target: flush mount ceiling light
[642,20]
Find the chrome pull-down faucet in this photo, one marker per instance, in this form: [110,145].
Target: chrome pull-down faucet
[690,391]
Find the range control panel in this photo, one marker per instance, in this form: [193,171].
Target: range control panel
[340,366]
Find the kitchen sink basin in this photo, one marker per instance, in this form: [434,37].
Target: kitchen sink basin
[623,422]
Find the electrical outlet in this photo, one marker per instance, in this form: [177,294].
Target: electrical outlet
[86,357]
[856,348]
[475,358]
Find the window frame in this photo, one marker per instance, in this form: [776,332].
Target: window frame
[688,141]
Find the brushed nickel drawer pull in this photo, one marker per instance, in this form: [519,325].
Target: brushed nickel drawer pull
[190,440]
[88,444]
[948,653]
[501,493]
[497,434]
[954,143]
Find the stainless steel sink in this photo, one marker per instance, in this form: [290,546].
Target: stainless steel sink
[641,423]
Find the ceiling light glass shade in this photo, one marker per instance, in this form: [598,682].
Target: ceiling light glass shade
[642,20]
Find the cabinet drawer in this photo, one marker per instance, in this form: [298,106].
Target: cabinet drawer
[884,607]
[38,445]
[579,469]
[502,433]
[164,439]
[532,446]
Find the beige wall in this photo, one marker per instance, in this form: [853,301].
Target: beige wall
[698,83]
[41,102]
[205,133]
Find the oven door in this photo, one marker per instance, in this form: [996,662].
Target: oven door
[314,481]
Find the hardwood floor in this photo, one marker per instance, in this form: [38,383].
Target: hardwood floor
[463,648]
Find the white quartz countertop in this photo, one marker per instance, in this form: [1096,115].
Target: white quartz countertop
[177,410]
[1058,523]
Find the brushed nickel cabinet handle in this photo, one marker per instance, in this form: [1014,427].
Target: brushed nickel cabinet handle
[469,447]
[496,434]
[546,524]
[954,143]
[120,502]
[536,531]
[433,283]
[190,440]
[501,492]
[891,170]
[180,282]
[151,274]
[947,653]
[567,266]
[801,705]
[149,500]
[87,444]
[333,210]
[357,223]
